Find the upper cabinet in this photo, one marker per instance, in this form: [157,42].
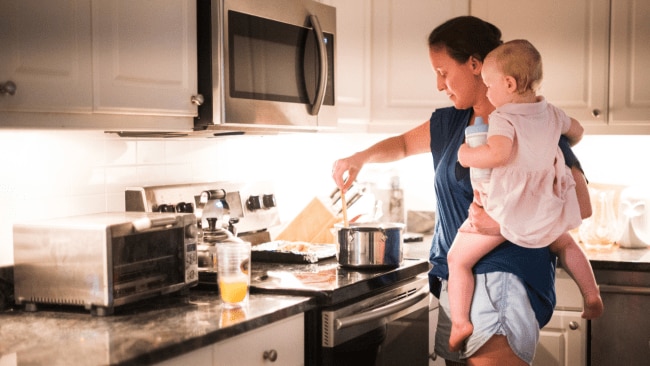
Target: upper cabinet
[46,53]
[144,56]
[384,79]
[92,61]
[594,54]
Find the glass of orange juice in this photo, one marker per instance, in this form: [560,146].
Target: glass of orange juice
[233,272]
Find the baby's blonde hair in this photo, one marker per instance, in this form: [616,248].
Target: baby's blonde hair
[521,60]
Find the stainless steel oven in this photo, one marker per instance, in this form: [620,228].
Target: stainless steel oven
[266,64]
[390,327]
[104,260]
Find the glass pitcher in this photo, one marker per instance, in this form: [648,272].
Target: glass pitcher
[601,230]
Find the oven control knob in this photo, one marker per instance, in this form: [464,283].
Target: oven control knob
[268,200]
[165,208]
[253,203]
[184,207]
[191,231]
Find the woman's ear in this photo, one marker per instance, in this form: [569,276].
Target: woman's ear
[476,65]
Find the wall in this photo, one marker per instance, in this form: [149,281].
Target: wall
[60,173]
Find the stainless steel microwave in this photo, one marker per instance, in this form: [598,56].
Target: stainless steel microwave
[266,64]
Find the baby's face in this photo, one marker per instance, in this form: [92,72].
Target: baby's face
[496,82]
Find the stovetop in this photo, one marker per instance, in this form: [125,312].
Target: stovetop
[327,281]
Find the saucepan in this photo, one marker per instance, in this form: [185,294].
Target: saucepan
[370,245]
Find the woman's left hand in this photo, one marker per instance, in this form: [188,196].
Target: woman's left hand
[481,221]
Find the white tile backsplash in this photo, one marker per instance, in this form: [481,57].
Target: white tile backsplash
[48,173]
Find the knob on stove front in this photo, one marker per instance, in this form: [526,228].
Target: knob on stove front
[268,200]
[253,203]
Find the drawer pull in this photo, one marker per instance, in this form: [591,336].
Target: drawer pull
[271,355]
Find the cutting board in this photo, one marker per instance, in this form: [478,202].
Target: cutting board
[312,225]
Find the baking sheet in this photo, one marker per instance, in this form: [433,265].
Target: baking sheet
[282,251]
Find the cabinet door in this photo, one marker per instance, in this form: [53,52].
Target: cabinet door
[573,38]
[404,91]
[353,63]
[286,338]
[144,56]
[45,50]
[630,57]
[563,341]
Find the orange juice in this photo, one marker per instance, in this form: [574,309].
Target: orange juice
[233,290]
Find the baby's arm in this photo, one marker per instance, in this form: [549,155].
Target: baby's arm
[496,152]
[575,132]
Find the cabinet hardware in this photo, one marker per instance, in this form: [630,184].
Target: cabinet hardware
[8,88]
[271,355]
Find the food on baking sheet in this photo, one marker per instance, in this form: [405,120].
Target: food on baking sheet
[292,251]
[295,247]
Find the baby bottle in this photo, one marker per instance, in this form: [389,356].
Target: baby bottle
[476,135]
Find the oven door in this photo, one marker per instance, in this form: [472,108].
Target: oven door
[390,328]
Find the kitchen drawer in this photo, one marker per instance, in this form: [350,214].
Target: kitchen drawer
[285,337]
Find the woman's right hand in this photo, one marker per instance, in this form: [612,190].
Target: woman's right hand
[345,171]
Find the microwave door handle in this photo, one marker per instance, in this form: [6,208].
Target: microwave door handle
[322,51]
[383,311]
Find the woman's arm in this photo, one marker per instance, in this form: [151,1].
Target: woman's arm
[414,141]
[496,152]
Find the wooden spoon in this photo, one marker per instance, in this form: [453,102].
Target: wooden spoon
[344,209]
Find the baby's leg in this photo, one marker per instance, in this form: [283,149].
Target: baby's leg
[575,262]
[467,249]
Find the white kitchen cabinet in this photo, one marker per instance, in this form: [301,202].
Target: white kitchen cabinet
[87,63]
[563,341]
[594,54]
[144,55]
[45,50]
[284,340]
[384,79]
[279,343]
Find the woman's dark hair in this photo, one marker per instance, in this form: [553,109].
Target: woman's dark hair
[466,36]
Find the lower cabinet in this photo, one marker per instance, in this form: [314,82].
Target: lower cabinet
[279,343]
[434,360]
[563,341]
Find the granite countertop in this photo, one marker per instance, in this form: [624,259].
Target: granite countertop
[614,258]
[145,332]
[161,328]
[622,259]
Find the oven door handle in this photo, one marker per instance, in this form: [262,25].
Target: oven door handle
[628,290]
[383,311]
[322,52]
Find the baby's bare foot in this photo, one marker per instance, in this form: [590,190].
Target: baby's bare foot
[594,307]
[459,332]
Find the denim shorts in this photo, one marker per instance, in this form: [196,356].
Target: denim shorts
[500,306]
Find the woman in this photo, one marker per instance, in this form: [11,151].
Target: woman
[514,294]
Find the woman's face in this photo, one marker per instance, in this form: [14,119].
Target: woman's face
[461,81]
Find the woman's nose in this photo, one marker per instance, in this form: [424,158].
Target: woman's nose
[440,83]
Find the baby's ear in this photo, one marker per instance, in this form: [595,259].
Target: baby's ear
[511,83]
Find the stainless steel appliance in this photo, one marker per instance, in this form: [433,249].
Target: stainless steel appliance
[104,260]
[388,328]
[621,336]
[362,317]
[266,64]
[244,209]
